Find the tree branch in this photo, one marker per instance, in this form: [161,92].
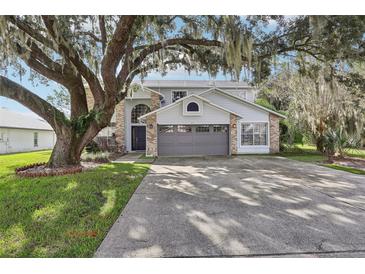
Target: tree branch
[92,35]
[73,56]
[52,115]
[187,41]
[114,53]
[126,83]
[34,59]
[148,49]
[102,32]
[25,27]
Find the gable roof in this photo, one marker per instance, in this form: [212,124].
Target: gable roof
[244,101]
[185,98]
[193,84]
[144,88]
[12,119]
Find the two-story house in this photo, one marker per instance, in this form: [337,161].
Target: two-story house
[175,118]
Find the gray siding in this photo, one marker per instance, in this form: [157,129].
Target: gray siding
[210,115]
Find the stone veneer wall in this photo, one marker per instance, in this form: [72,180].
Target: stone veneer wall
[233,134]
[119,120]
[274,133]
[120,126]
[155,101]
[151,126]
[151,135]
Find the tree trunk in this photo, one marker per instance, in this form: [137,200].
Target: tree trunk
[320,144]
[70,143]
[66,152]
[72,135]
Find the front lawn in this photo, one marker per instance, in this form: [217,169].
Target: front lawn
[66,216]
[346,168]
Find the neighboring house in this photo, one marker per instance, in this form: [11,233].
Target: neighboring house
[175,118]
[23,132]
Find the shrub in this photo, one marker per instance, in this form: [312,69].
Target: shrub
[336,142]
[92,147]
[98,157]
[289,135]
[265,103]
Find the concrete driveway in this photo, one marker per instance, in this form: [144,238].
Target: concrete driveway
[241,206]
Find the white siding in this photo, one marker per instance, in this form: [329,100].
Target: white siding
[19,140]
[248,113]
[246,93]
[210,115]
[139,94]
[167,92]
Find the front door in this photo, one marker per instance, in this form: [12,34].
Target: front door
[138,138]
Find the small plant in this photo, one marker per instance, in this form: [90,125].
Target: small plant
[92,147]
[98,157]
[337,143]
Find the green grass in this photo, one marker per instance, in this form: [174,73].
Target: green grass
[143,156]
[65,216]
[310,158]
[346,168]
[359,153]
[309,154]
[304,153]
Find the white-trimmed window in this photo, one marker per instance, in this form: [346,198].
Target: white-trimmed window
[178,94]
[138,111]
[35,139]
[254,134]
[192,107]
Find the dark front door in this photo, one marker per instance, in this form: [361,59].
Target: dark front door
[138,137]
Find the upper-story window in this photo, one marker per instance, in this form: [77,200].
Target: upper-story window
[138,111]
[192,107]
[178,94]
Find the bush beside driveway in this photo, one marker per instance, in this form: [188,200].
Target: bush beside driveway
[65,216]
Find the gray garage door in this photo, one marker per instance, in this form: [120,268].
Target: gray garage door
[175,140]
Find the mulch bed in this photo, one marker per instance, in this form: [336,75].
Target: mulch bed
[40,170]
[357,163]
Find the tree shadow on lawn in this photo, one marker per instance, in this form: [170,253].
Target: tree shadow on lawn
[65,216]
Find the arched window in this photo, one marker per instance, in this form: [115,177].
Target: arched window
[138,111]
[192,107]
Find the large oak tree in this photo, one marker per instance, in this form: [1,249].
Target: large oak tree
[107,52]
